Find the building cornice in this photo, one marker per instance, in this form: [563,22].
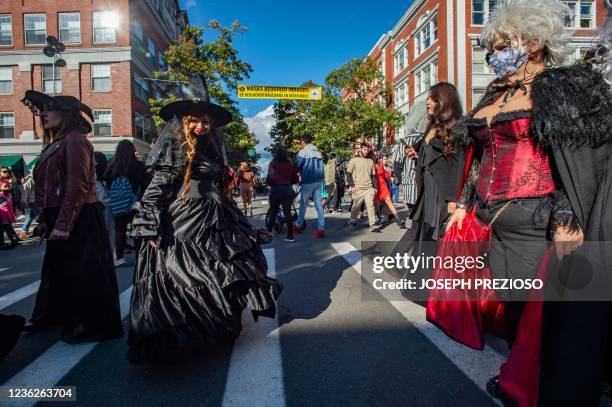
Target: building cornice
[73,57]
[407,17]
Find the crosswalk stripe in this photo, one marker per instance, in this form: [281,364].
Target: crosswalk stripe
[50,367]
[255,375]
[18,295]
[479,366]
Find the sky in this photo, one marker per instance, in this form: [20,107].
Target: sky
[290,42]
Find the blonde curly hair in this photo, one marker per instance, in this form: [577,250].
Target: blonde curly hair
[525,20]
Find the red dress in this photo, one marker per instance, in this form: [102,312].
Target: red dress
[382,177]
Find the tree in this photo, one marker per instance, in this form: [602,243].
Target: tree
[347,111]
[218,63]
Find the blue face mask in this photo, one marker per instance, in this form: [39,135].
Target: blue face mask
[507,61]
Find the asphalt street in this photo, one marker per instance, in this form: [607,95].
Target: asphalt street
[334,342]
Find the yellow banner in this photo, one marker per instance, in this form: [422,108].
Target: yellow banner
[279,92]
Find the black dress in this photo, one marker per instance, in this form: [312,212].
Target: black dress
[207,266]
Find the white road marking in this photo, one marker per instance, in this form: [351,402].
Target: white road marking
[18,295]
[477,365]
[255,376]
[3,269]
[50,367]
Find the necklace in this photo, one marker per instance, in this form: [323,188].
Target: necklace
[513,87]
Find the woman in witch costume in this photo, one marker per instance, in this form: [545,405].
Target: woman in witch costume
[542,137]
[78,289]
[200,263]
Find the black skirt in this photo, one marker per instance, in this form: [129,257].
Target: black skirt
[78,288]
[206,269]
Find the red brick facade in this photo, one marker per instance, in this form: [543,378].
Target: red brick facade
[161,21]
[451,51]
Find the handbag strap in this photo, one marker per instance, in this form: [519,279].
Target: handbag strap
[499,212]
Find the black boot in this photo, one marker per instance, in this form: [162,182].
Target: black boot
[399,222]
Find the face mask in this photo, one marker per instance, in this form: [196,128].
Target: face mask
[507,61]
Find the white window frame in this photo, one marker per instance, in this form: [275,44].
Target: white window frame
[58,79]
[97,122]
[485,13]
[2,126]
[426,74]
[94,28]
[25,30]
[486,69]
[476,95]
[145,126]
[428,27]
[59,24]
[10,30]
[577,14]
[9,69]
[97,76]
[401,94]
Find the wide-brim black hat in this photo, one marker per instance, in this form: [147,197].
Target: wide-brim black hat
[219,115]
[37,101]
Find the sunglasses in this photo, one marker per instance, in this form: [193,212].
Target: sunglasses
[500,46]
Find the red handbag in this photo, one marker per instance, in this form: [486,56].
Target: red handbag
[464,313]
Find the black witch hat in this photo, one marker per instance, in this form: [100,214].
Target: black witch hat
[196,102]
[37,101]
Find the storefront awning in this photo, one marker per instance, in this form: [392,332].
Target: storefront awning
[109,156]
[12,161]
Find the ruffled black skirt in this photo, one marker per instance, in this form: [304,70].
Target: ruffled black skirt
[206,269]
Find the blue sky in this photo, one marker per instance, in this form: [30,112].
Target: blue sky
[289,43]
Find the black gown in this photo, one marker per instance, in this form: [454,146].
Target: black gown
[207,266]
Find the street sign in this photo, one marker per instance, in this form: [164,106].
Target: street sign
[279,92]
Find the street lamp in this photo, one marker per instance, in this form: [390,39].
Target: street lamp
[54,50]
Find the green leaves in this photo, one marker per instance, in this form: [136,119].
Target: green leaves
[218,62]
[347,111]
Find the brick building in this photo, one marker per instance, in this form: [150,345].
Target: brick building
[111,46]
[436,40]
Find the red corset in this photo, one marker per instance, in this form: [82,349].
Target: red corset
[511,165]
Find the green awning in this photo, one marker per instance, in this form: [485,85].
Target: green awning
[10,160]
[32,163]
[109,156]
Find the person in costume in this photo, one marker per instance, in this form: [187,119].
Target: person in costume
[542,139]
[438,163]
[200,263]
[78,289]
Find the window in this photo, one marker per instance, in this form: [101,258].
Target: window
[70,28]
[6,30]
[35,26]
[481,10]
[104,24]
[160,61]
[401,94]
[141,88]
[7,125]
[6,80]
[48,77]
[138,32]
[103,123]
[479,64]
[476,95]
[101,78]
[151,51]
[143,128]
[399,60]
[425,77]
[426,35]
[583,14]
